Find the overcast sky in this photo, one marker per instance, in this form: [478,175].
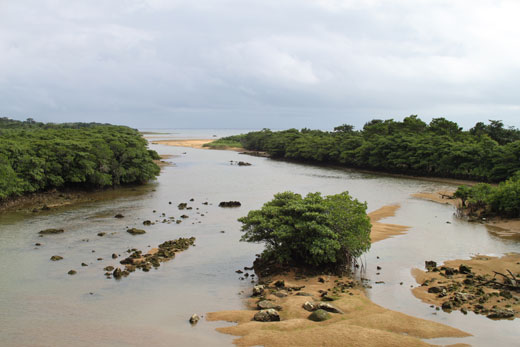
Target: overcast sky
[259,63]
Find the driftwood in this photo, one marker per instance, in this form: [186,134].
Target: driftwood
[510,281]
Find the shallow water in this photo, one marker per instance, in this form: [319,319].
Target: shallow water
[40,305]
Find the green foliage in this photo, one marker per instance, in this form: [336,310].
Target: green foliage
[489,153]
[37,156]
[313,231]
[226,142]
[486,200]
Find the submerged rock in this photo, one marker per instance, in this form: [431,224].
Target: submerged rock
[72,272]
[135,231]
[51,231]
[229,204]
[269,315]
[119,215]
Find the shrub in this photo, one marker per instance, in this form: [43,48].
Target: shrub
[315,231]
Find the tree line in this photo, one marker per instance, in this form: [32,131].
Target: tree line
[486,153]
[38,156]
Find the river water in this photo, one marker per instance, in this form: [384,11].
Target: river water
[41,305]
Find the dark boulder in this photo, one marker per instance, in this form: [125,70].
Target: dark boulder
[229,204]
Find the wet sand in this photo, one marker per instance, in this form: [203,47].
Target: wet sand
[481,265]
[381,231]
[363,323]
[442,197]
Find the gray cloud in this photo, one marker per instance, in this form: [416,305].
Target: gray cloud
[235,63]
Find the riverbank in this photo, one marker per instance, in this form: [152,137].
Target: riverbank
[477,284]
[362,323]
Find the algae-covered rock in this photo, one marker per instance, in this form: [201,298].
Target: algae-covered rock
[56,258]
[135,231]
[319,315]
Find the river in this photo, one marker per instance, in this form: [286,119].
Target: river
[41,305]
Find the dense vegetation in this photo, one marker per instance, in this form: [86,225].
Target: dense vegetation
[482,200]
[226,142]
[37,156]
[315,231]
[487,152]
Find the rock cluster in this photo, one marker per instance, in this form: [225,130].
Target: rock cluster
[462,289]
[137,260]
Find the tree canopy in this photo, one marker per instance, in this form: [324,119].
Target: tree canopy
[489,153]
[37,156]
[313,231]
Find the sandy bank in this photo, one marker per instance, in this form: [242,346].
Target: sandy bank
[381,231]
[442,197]
[191,143]
[363,323]
[465,291]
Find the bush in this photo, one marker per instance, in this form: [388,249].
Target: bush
[315,231]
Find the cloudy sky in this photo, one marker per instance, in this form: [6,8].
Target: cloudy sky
[259,63]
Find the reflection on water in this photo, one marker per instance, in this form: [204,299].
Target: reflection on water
[41,305]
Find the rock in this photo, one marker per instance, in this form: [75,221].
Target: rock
[446,306]
[182,205]
[184,216]
[320,315]
[109,268]
[229,204]
[464,269]
[498,313]
[117,273]
[135,231]
[72,272]
[56,258]
[327,297]
[436,290]
[119,215]
[114,256]
[194,319]
[329,308]
[269,315]
[430,264]
[321,280]
[83,264]
[101,234]
[281,294]
[279,284]
[309,306]
[239,271]
[506,294]
[147,222]
[258,290]
[243,163]
[51,231]
[266,304]
[303,294]
[37,244]
[449,271]
[192,199]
